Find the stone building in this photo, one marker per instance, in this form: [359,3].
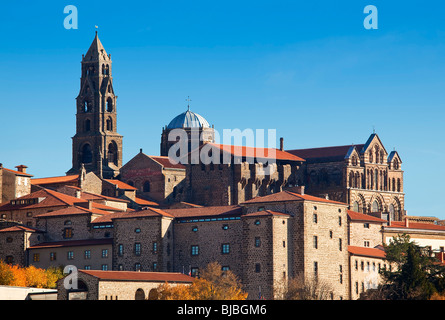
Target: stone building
[96,144]
[14,183]
[366,176]
[122,285]
[154,177]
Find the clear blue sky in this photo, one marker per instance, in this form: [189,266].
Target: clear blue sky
[308,69]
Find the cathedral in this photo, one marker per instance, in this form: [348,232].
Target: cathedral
[365,176]
[267,214]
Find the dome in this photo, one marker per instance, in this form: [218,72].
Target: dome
[188,119]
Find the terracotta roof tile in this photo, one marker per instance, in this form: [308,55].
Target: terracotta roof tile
[266,213]
[120,184]
[367,252]
[166,163]
[363,217]
[72,243]
[139,276]
[260,153]
[47,198]
[51,180]
[18,172]
[19,228]
[289,196]
[211,211]
[416,225]
[325,154]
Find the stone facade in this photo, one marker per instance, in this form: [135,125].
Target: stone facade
[365,176]
[96,144]
[154,177]
[14,183]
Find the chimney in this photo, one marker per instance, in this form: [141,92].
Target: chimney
[21,168]
[281,144]
[406,222]
[140,150]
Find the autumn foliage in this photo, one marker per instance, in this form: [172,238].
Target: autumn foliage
[13,275]
[213,284]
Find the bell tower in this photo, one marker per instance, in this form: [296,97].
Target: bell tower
[96,145]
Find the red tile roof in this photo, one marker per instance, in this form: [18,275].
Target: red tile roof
[19,228]
[212,211]
[259,153]
[18,172]
[49,198]
[289,196]
[94,196]
[72,243]
[120,184]
[71,211]
[367,252]
[51,180]
[357,216]
[266,213]
[166,163]
[139,276]
[144,202]
[416,225]
[148,212]
[325,154]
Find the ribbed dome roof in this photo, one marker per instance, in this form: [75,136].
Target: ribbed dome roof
[188,119]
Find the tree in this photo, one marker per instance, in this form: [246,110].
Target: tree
[6,274]
[416,275]
[303,288]
[213,284]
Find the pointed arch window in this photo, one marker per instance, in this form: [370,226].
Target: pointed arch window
[86,154]
[109,104]
[109,124]
[87,125]
[112,153]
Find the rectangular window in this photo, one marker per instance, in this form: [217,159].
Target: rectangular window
[120,250]
[52,256]
[315,218]
[257,242]
[87,267]
[155,266]
[70,255]
[194,272]
[315,269]
[155,247]
[315,242]
[225,248]
[68,233]
[36,257]
[195,250]
[340,246]
[87,254]
[137,267]
[356,264]
[366,225]
[356,287]
[137,249]
[257,268]
[339,221]
[105,267]
[104,253]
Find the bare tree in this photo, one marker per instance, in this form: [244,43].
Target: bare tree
[303,288]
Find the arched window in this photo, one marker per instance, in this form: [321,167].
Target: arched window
[112,153]
[109,104]
[354,161]
[351,179]
[109,124]
[146,186]
[87,125]
[396,164]
[371,158]
[392,211]
[375,206]
[103,69]
[107,70]
[356,206]
[393,184]
[86,154]
[399,185]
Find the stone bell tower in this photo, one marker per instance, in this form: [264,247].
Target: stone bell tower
[97,145]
